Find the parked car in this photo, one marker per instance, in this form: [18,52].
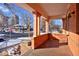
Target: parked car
[2,40]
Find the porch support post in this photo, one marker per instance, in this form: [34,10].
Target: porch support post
[36,23]
[36,27]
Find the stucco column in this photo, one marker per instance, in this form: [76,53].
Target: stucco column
[36,28]
[38,25]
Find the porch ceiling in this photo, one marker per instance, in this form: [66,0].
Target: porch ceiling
[53,10]
[48,10]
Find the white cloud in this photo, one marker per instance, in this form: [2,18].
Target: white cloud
[5,10]
[1,7]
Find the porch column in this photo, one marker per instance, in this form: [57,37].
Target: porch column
[34,30]
[36,23]
[36,26]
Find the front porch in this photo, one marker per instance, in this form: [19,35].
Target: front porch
[46,43]
[52,47]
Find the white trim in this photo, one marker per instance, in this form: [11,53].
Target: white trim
[42,33]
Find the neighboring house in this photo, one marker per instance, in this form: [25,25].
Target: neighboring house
[3,22]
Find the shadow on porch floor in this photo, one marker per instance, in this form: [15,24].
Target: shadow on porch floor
[52,47]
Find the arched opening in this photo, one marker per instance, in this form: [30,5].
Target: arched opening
[16,20]
[55,26]
[16,27]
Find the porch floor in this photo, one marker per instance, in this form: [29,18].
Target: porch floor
[51,47]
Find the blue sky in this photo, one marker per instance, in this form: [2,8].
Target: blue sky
[4,10]
[16,10]
[58,21]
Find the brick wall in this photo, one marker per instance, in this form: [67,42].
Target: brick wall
[73,29]
[77,17]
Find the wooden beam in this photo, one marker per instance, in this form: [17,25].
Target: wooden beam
[56,17]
